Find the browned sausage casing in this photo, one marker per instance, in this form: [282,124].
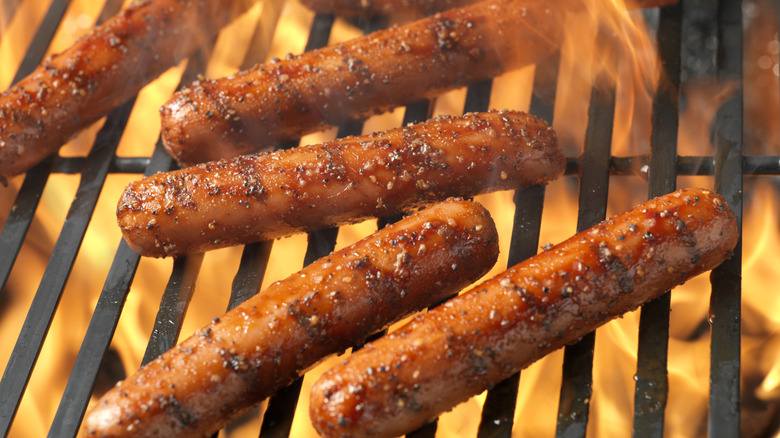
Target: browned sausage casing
[459,349]
[410,8]
[272,338]
[282,100]
[270,195]
[99,72]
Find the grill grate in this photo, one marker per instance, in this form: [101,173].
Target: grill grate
[594,168]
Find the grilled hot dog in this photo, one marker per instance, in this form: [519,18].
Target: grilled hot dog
[284,99]
[270,195]
[456,350]
[269,340]
[102,70]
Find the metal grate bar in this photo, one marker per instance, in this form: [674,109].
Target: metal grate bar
[652,386]
[725,302]
[42,38]
[110,303]
[752,165]
[280,411]
[44,304]
[101,329]
[499,408]
[251,270]
[281,407]
[28,197]
[21,216]
[478,96]
[173,306]
[594,183]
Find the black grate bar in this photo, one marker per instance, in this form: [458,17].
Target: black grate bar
[752,165]
[20,218]
[499,408]
[478,96]
[109,10]
[47,297]
[260,43]
[42,38]
[173,306]
[251,270]
[255,256]
[280,411]
[101,329]
[281,407]
[181,284]
[48,28]
[594,183]
[428,430]
[725,302]
[111,301]
[21,215]
[652,385]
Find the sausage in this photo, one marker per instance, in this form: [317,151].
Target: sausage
[462,347]
[405,8]
[285,99]
[269,340]
[275,194]
[102,70]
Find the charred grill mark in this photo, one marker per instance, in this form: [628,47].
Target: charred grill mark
[309,320]
[174,408]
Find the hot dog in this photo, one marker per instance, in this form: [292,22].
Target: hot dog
[269,340]
[102,70]
[406,8]
[454,351]
[270,195]
[284,99]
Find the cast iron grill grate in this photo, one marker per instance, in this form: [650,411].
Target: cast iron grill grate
[594,168]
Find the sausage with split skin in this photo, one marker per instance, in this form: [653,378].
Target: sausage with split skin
[271,195]
[103,69]
[285,99]
[462,347]
[269,340]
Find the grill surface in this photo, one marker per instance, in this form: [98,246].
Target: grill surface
[593,170]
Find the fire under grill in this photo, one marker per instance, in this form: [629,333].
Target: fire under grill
[592,171]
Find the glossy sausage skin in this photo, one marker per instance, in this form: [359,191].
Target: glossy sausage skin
[102,70]
[270,195]
[404,8]
[462,347]
[268,341]
[284,99]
